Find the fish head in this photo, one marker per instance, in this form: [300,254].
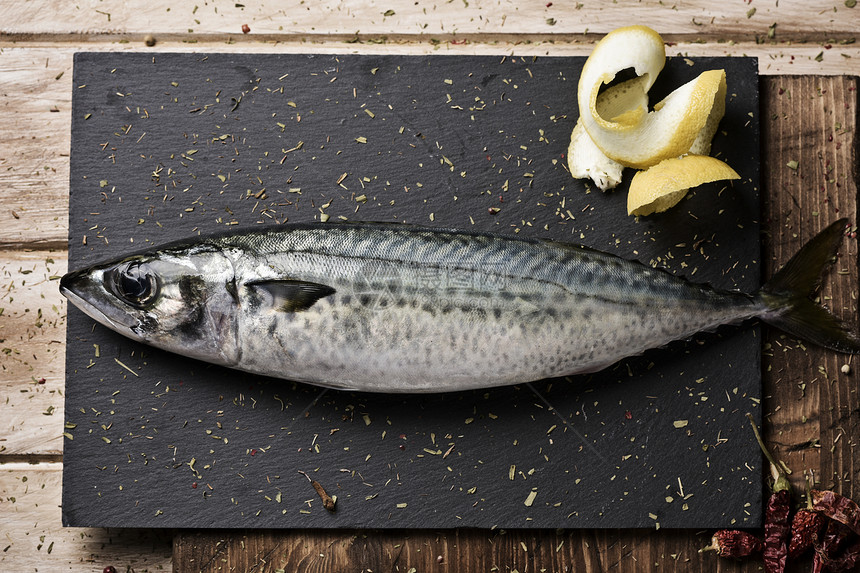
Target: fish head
[179,300]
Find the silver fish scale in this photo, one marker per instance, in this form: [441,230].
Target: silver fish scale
[420,310]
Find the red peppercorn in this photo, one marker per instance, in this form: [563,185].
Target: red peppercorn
[245,28]
[109,569]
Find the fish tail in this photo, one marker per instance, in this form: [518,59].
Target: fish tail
[786,296]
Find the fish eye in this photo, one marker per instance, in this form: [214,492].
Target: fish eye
[134,282]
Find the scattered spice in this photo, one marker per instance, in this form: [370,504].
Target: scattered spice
[328,501]
[149,40]
[109,569]
[734,543]
[245,28]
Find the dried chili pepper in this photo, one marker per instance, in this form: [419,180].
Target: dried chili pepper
[777,525]
[777,528]
[837,507]
[847,561]
[734,543]
[806,527]
[827,549]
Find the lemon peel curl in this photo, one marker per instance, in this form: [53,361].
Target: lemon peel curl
[636,137]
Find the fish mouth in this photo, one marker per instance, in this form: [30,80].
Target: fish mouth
[83,289]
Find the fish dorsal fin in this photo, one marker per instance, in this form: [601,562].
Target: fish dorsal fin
[287,295]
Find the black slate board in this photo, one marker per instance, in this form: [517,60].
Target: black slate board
[169,145]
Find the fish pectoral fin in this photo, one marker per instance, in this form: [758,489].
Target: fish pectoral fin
[287,295]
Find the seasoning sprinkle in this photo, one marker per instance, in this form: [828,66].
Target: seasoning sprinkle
[117,360]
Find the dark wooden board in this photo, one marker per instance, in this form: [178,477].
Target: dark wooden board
[170,145]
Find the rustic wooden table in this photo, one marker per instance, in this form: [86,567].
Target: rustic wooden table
[809,115]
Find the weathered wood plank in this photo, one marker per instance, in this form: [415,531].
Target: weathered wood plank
[33,342]
[800,115]
[458,551]
[794,19]
[34,164]
[812,407]
[37,80]
[33,538]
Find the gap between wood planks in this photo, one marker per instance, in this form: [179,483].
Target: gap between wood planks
[492,38]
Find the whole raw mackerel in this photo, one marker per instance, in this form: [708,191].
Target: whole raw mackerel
[395,308]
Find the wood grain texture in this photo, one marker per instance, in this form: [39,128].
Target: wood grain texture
[812,406]
[453,551]
[794,19]
[34,159]
[32,331]
[809,120]
[33,540]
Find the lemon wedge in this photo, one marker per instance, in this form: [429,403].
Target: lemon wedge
[624,130]
[665,184]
